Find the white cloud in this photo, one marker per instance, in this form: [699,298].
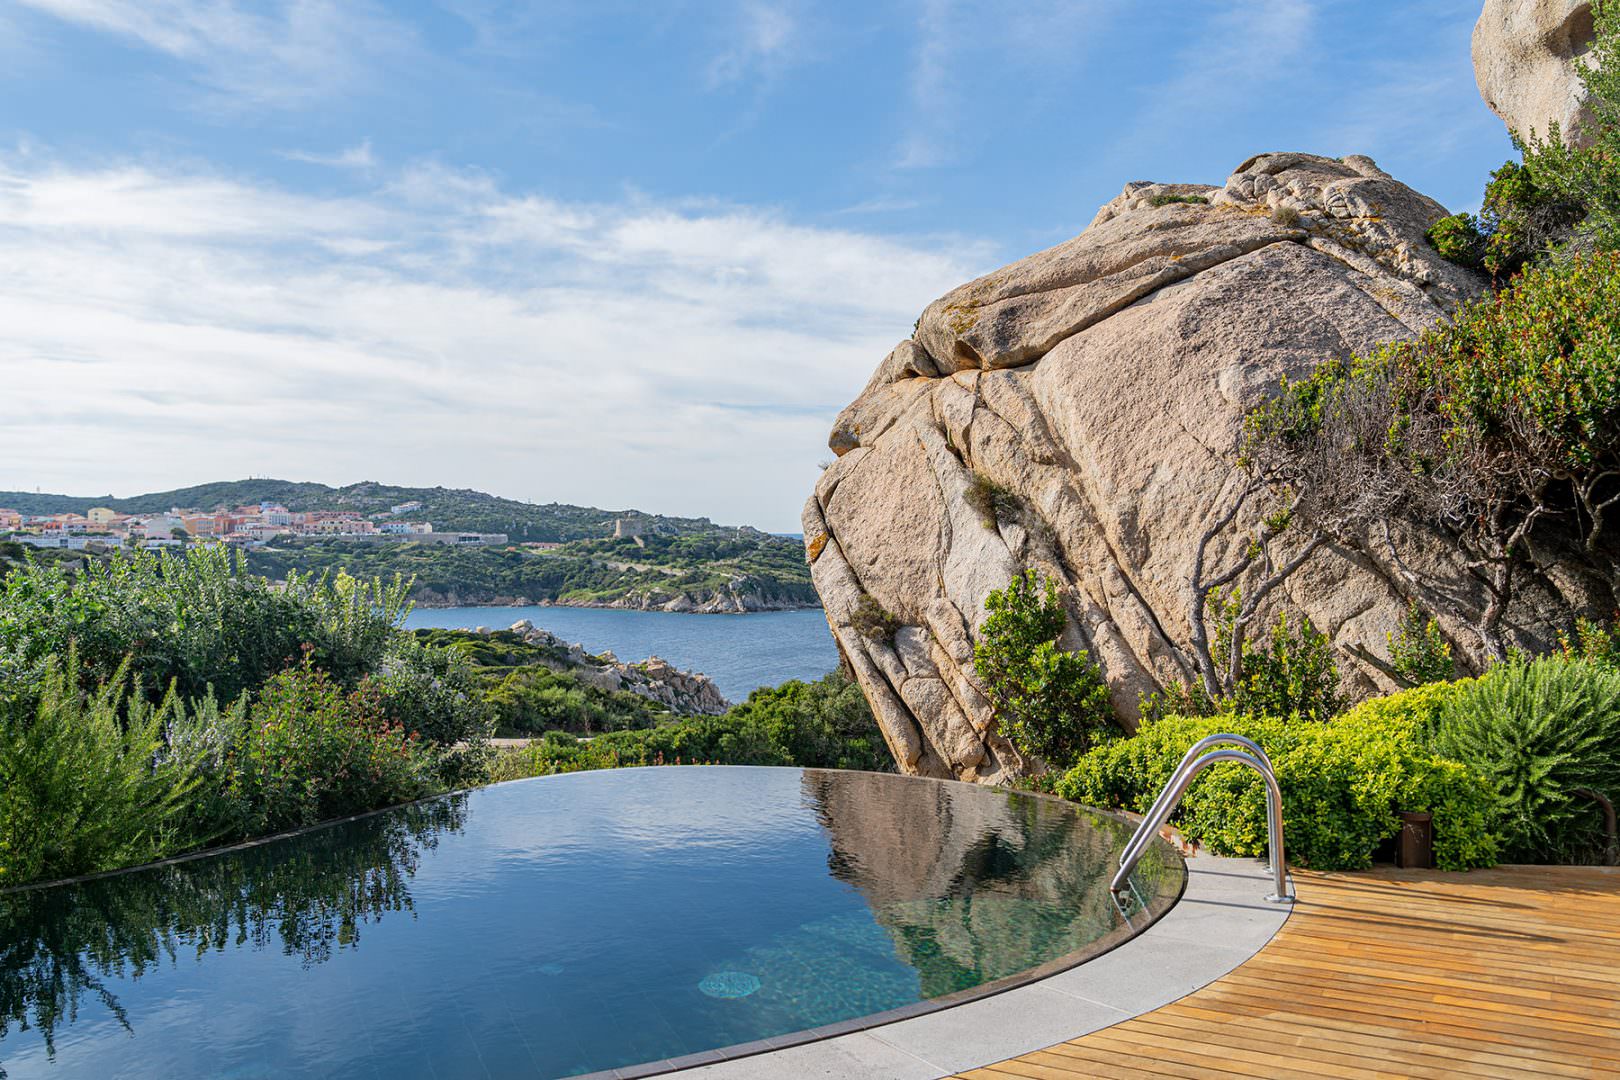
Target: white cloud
[171,327]
[283,53]
[358,157]
[760,44]
[880,206]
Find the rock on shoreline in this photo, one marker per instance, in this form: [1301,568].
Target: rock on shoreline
[686,693]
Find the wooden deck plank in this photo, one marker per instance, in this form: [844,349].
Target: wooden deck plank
[1498,973]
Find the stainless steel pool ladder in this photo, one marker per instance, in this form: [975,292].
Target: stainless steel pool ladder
[1195,761]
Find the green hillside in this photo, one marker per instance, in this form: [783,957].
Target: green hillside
[675,563]
[446,508]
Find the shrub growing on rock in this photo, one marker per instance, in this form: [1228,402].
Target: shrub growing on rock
[1587,177]
[1485,427]
[990,500]
[872,620]
[1418,652]
[1291,674]
[1342,783]
[1050,702]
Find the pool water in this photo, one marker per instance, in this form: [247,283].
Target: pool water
[560,926]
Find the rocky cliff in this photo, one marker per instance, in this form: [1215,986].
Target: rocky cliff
[1097,390]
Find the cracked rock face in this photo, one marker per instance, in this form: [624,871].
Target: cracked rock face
[1102,383]
[1524,61]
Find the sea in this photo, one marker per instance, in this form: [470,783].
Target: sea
[739,652]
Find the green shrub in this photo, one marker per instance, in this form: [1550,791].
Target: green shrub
[1286,216]
[1540,732]
[872,620]
[196,621]
[1291,675]
[1482,427]
[1418,652]
[1459,239]
[1050,702]
[1342,782]
[311,751]
[432,694]
[86,783]
[826,724]
[1593,642]
[1171,200]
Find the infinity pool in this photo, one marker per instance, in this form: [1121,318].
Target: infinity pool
[563,925]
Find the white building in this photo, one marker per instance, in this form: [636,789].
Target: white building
[69,543]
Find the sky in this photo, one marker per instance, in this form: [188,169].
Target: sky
[599,252]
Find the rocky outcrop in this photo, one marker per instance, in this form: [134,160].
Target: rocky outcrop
[686,693]
[1524,53]
[1101,385]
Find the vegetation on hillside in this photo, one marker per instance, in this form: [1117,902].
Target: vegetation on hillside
[447,508]
[769,570]
[532,688]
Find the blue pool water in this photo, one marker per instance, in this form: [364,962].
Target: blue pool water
[739,652]
[557,926]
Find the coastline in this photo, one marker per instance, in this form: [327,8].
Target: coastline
[437,603]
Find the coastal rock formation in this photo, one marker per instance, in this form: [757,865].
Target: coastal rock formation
[1524,53]
[1099,387]
[686,693]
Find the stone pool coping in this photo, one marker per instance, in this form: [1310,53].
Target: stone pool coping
[1221,920]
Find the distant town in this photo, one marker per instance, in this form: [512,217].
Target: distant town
[245,526]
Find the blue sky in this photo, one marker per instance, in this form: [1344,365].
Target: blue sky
[601,252]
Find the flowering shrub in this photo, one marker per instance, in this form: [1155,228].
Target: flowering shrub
[310,751]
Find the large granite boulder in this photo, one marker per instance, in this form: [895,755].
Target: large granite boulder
[1100,386]
[1524,52]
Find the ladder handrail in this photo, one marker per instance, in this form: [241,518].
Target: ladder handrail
[1140,840]
[1170,797]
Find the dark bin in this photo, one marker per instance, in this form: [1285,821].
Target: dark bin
[1414,848]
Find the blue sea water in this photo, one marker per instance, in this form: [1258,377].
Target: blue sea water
[739,652]
[557,926]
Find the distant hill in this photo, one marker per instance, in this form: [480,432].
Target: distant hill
[446,508]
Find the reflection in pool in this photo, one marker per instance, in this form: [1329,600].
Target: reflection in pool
[559,926]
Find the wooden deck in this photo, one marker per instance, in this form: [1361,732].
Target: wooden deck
[1512,972]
